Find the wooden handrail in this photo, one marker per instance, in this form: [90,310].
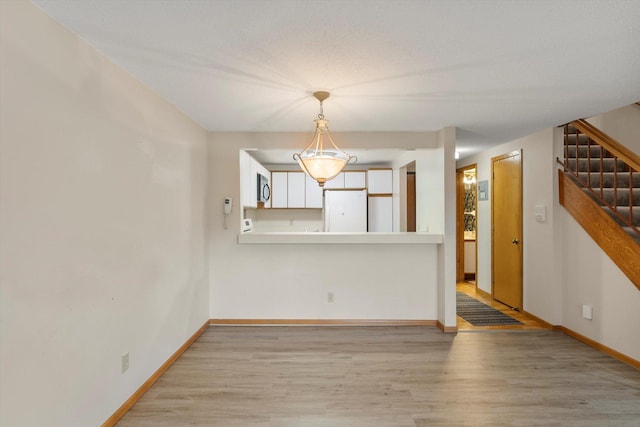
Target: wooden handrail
[613,146]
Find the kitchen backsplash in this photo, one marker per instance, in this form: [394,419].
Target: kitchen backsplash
[286,220]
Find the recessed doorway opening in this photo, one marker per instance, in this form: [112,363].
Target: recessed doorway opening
[466,224]
[408,197]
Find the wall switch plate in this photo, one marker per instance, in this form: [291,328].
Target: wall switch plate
[540,213]
[330,297]
[587,312]
[125,362]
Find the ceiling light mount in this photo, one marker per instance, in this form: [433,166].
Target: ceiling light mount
[321,95]
[320,163]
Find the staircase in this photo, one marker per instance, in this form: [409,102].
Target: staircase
[602,181]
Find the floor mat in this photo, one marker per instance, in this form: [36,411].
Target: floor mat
[480,314]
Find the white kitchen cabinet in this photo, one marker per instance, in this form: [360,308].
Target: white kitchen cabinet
[249,170]
[244,177]
[313,193]
[296,189]
[248,181]
[355,179]
[279,189]
[380,181]
[380,214]
[337,182]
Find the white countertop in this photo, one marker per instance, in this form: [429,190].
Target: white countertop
[312,238]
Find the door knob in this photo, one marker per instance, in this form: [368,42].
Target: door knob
[515,241]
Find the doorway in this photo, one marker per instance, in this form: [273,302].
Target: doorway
[466,224]
[407,208]
[411,199]
[506,225]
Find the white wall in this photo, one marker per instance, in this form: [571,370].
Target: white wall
[447,251]
[622,124]
[541,279]
[292,281]
[563,267]
[590,276]
[102,223]
[429,190]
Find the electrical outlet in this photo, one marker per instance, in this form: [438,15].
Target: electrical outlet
[330,297]
[125,362]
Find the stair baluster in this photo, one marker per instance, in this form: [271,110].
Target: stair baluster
[596,162]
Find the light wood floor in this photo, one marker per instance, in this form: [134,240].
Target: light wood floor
[389,376]
[470,289]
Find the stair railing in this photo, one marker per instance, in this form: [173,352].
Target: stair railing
[623,158]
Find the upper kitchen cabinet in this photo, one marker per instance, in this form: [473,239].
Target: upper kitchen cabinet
[296,189]
[380,181]
[348,179]
[355,179]
[255,182]
[313,193]
[248,181]
[335,183]
[279,184]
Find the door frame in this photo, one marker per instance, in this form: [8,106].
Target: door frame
[411,200]
[404,171]
[518,152]
[460,222]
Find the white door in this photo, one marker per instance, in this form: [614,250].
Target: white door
[345,211]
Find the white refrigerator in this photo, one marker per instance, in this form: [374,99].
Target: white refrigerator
[345,211]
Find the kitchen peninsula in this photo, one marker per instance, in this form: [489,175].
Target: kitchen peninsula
[286,267]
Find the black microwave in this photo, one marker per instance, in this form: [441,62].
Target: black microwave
[264,191]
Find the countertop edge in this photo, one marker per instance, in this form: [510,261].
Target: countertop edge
[339,238]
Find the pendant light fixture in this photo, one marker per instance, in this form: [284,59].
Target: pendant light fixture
[319,162]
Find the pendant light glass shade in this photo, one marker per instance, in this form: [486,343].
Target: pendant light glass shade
[319,162]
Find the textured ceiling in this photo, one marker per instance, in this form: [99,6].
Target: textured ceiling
[495,69]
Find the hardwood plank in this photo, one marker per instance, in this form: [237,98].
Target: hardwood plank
[388,376]
[608,350]
[113,419]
